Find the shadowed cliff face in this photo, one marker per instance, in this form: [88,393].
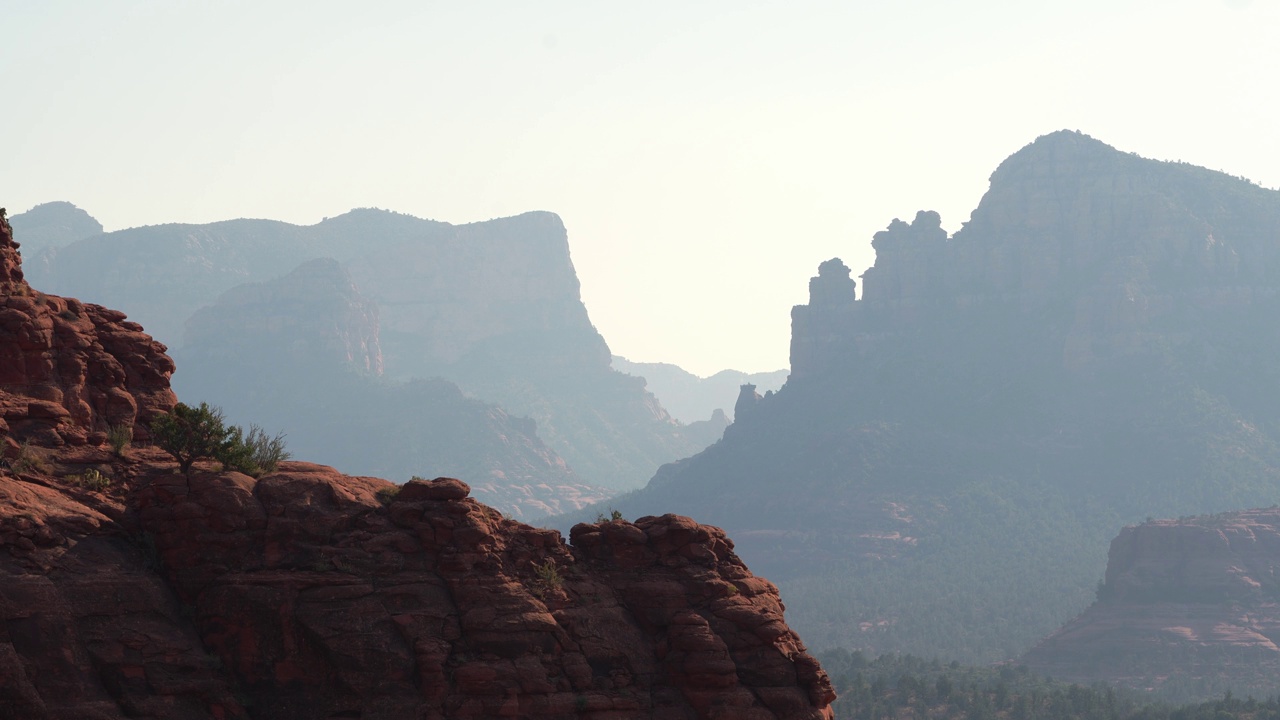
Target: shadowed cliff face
[1093,347]
[128,589]
[1189,607]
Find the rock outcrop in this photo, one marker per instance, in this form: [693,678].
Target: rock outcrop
[1095,346]
[129,589]
[71,370]
[1189,607]
[308,593]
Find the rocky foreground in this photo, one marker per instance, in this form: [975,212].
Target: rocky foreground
[128,589]
[1189,606]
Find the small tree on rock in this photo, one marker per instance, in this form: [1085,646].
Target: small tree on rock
[189,434]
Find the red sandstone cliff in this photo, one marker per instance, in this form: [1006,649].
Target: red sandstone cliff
[129,590]
[70,370]
[1188,606]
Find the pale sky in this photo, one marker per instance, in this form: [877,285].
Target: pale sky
[705,157]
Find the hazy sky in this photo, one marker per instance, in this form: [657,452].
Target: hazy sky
[704,156]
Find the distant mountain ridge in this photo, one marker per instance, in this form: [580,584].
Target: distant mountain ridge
[953,450]
[493,307]
[53,224]
[303,353]
[690,398]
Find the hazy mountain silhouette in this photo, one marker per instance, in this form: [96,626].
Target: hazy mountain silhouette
[302,353]
[952,452]
[53,224]
[688,397]
[493,307]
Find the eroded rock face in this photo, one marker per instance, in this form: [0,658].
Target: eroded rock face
[1189,606]
[308,593]
[69,370]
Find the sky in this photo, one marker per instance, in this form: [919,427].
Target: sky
[704,156]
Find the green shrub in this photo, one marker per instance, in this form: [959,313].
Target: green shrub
[119,437]
[235,454]
[387,494]
[189,434]
[92,479]
[267,452]
[29,461]
[549,575]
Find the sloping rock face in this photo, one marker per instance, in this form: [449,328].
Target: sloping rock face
[70,370]
[1190,607]
[494,307]
[1095,346]
[302,353]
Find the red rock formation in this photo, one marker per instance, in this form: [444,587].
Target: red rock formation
[129,590]
[69,370]
[308,594]
[1186,604]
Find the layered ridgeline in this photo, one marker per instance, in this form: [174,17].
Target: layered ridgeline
[690,398]
[492,306]
[129,589]
[952,452]
[1189,608]
[303,352]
